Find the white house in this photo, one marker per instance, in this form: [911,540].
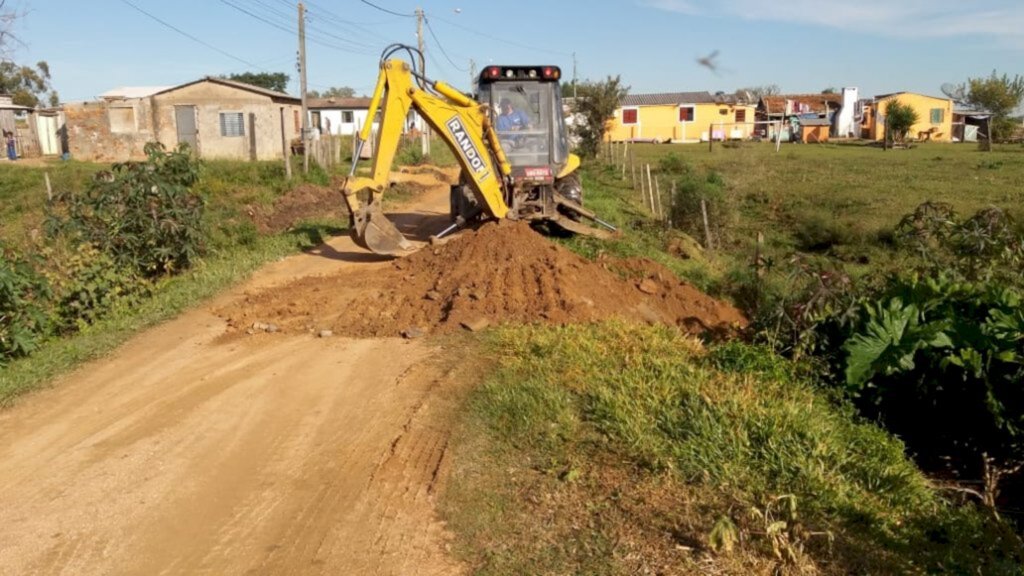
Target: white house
[346,116]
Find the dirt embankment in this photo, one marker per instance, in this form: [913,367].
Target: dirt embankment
[502,272]
[310,201]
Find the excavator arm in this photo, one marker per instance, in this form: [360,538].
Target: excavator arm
[459,120]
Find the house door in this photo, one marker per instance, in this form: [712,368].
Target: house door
[185,119]
[49,142]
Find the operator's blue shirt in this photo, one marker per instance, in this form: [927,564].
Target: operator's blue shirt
[517,120]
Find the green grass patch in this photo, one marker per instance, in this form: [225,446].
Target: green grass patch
[169,298]
[584,434]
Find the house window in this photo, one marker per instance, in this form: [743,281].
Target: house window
[741,115]
[298,123]
[347,116]
[937,115]
[122,120]
[628,116]
[687,113]
[232,124]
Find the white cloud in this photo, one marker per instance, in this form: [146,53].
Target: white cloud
[1000,20]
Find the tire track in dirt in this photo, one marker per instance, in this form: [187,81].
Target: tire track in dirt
[188,453]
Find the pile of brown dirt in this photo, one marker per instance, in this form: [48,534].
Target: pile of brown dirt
[304,202]
[309,201]
[502,272]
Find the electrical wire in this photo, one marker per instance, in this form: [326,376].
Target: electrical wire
[290,31]
[438,42]
[368,3]
[504,41]
[193,38]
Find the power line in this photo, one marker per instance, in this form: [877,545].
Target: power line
[438,42]
[289,31]
[193,38]
[368,3]
[509,42]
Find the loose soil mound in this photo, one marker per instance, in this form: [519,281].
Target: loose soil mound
[309,201]
[502,272]
[304,202]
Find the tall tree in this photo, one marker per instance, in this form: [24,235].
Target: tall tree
[333,92]
[998,95]
[7,19]
[277,81]
[28,86]
[596,102]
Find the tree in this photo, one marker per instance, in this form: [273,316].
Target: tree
[28,86]
[277,81]
[596,102]
[999,96]
[333,92]
[758,92]
[901,117]
[830,90]
[7,19]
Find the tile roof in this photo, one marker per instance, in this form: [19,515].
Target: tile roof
[668,98]
[776,104]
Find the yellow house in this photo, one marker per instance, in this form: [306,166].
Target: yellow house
[680,117]
[934,116]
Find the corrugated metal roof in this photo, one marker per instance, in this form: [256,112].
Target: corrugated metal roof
[668,98]
[132,92]
[884,96]
[338,103]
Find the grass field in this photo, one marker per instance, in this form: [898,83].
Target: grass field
[618,450]
[860,189]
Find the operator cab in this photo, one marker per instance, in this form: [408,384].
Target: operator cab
[526,111]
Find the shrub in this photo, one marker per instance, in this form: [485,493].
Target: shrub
[941,362]
[144,214]
[87,284]
[686,213]
[23,315]
[901,118]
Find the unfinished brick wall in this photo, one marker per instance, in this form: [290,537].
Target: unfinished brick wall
[90,137]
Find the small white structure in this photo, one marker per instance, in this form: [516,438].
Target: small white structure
[848,121]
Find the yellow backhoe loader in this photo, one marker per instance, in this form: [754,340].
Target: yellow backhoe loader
[518,168]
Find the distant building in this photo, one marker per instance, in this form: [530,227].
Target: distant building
[680,117]
[934,116]
[218,118]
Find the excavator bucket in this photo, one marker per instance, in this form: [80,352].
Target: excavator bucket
[377,234]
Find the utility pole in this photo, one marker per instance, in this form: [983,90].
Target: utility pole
[574,75]
[472,75]
[425,136]
[302,88]
[419,39]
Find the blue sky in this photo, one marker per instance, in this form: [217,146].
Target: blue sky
[878,46]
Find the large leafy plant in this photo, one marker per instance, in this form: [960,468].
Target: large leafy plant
[24,321]
[941,362]
[143,214]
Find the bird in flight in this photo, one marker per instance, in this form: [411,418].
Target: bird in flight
[709,61]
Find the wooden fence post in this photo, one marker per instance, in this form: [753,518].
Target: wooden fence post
[632,166]
[707,228]
[650,187]
[284,150]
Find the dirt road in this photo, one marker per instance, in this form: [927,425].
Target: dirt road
[186,452]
